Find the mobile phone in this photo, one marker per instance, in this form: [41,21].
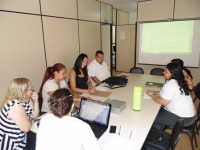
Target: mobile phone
[112,129]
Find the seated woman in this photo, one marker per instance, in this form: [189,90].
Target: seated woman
[79,80]
[175,98]
[54,78]
[17,111]
[61,131]
[186,72]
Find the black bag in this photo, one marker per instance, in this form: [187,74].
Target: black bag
[156,139]
[116,81]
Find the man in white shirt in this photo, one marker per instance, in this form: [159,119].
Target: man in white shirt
[98,69]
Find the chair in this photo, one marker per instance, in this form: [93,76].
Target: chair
[190,131]
[40,100]
[157,71]
[137,70]
[197,92]
[163,140]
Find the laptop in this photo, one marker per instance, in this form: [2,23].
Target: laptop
[154,84]
[96,114]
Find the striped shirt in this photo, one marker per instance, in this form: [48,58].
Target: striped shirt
[11,137]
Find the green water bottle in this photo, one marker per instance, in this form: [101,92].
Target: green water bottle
[137,98]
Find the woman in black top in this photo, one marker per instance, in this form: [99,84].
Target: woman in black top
[79,80]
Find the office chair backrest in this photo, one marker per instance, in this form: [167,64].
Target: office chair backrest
[176,133]
[40,99]
[137,70]
[157,71]
[197,91]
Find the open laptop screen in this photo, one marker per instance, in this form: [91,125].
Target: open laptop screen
[95,111]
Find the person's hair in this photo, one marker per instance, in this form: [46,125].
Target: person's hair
[78,64]
[179,62]
[61,102]
[99,52]
[16,90]
[49,73]
[188,72]
[177,74]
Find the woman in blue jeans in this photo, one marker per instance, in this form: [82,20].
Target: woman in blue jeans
[175,98]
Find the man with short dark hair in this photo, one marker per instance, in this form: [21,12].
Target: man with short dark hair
[98,69]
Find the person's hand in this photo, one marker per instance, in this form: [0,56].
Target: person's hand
[34,97]
[149,92]
[91,89]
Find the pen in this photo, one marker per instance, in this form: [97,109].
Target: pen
[119,130]
[130,135]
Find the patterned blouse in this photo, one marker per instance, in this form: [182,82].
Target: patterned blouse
[11,137]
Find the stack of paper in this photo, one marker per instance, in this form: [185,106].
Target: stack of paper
[120,143]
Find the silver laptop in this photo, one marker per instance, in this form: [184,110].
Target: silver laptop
[96,114]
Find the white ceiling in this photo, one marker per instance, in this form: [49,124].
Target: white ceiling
[124,5]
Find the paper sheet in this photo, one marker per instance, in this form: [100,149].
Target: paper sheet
[120,143]
[146,96]
[101,88]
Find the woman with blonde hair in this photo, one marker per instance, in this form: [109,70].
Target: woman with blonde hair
[17,111]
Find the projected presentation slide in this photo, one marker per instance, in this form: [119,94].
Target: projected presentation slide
[159,42]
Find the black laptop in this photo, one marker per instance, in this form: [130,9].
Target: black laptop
[96,114]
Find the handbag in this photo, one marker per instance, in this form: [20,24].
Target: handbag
[116,82]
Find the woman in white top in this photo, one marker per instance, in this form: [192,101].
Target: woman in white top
[54,78]
[175,98]
[61,131]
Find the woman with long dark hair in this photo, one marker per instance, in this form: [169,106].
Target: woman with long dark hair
[175,98]
[186,72]
[79,80]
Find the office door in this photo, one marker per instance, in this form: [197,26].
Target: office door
[125,47]
[106,43]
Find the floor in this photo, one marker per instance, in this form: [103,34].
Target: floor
[184,142]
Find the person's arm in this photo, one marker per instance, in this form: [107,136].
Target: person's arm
[96,80]
[35,105]
[18,114]
[76,97]
[72,78]
[90,87]
[157,98]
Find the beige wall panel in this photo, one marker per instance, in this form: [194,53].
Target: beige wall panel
[155,10]
[27,6]
[106,13]
[187,9]
[114,16]
[89,10]
[106,41]
[125,53]
[90,38]
[61,8]
[22,49]
[122,17]
[61,40]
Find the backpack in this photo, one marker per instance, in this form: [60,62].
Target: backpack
[116,82]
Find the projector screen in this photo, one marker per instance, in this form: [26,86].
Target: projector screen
[160,42]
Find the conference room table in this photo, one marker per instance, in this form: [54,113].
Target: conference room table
[134,124]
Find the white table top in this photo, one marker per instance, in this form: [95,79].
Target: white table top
[137,122]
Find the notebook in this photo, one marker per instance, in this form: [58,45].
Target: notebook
[96,114]
[154,84]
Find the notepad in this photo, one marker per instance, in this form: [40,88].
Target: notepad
[120,143]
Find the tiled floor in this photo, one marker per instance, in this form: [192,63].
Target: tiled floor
[184,142]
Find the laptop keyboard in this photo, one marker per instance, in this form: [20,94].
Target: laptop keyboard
[97,131]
